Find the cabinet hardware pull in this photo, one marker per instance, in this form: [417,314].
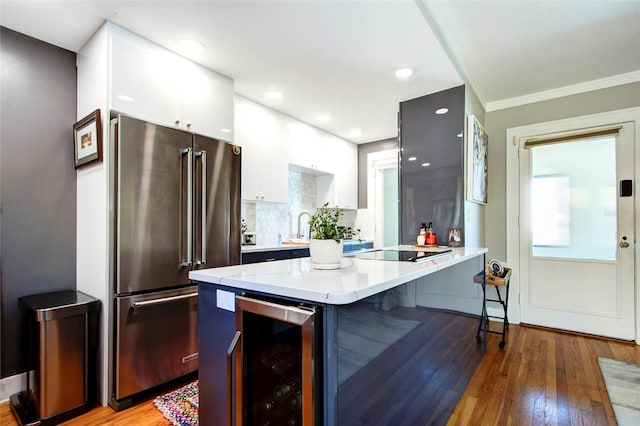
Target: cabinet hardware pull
[189,358]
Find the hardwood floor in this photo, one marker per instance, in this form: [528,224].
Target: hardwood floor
[542,377]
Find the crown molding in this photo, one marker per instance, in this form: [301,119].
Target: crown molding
[574,89]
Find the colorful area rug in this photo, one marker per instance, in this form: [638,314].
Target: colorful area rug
[180,407]
[623,386]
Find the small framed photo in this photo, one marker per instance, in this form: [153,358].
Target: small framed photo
[87,140]
[454,237]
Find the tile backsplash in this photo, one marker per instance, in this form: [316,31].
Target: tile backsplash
[270,220]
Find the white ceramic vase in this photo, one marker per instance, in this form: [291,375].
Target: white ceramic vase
[325,254]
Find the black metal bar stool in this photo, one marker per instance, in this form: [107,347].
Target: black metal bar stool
[483,327]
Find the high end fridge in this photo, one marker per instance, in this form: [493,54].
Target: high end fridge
[175,207]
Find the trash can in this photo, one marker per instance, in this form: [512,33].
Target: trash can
[62,334]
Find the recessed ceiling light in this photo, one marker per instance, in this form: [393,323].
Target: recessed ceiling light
[356,133]
[403,73]
[426,164]
[125,98]
[323,117]
[191,45]
[225,130]
[413,158]
[274,94]
[441,111]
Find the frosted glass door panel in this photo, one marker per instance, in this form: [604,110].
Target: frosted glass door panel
[573,203]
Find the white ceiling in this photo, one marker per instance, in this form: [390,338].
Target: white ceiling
[337,57]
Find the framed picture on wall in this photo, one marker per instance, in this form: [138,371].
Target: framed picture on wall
[477,165]
[87,140]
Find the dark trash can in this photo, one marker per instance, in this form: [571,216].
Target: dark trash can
[62,334]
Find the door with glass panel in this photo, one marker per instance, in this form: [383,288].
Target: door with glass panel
[577,232]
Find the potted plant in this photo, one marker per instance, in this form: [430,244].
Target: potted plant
[325,246]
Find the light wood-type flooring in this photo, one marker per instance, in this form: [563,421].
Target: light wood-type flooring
[542,377]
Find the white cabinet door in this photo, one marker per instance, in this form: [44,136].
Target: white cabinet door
[142,82]
[154,84]
[346,175]
[309,148]
[340,188]
[207,99]
[265,170]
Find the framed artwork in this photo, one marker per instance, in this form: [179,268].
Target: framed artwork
[454,237]
[87,140]
[477,173]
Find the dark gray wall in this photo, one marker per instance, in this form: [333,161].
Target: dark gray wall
[37,181]
[434,193]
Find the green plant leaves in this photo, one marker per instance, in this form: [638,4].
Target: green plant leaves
[324,223]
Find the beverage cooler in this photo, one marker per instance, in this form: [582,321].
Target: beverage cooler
[271,351]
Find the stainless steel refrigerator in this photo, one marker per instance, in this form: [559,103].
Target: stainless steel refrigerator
[176,207]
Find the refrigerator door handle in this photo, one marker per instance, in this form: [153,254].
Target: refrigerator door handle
[151,302]
[203,218]
[230,351]
[189,153]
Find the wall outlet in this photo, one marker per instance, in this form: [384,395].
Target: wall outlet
[226,300]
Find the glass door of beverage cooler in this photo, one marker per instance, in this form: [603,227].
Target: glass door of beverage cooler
[275,380]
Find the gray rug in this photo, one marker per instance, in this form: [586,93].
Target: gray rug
[363,335]
[623,387]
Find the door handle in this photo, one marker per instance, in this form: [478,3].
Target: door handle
[230,351]
[203,219]
[152,302]
[624,243]
[189,152]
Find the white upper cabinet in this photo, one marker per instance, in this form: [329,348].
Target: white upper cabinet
[339,188]
[265,171]
[309,147]
[207,106]
[346,172]
[154,84]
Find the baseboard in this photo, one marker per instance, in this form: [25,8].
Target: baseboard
[12,385]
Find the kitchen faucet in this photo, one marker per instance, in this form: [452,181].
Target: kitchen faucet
[299,218]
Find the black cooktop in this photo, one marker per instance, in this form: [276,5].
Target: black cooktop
[404,255]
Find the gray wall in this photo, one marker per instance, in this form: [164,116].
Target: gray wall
[37,181]
[497,122]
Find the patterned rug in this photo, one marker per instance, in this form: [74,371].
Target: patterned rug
[180,407]
[623,386]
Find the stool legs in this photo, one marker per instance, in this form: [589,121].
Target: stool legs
[483,326]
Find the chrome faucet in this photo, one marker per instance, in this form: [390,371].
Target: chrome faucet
[299,218]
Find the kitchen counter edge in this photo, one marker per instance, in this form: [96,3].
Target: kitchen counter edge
[356,280]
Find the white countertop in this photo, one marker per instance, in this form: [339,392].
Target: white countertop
[355,280]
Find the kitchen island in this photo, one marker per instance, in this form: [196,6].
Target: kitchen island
[378,351]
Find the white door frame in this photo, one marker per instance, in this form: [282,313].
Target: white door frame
[512,193]
[376,161]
